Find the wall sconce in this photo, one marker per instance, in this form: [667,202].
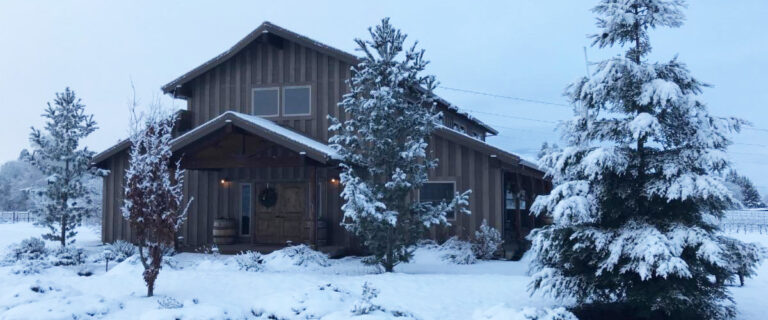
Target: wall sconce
[334,180]
[224,181]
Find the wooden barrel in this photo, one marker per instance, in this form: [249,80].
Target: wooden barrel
[224,231]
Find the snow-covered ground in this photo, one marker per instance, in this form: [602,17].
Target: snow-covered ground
[212,287]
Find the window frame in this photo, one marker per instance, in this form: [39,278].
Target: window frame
[250,207]
[452,182]
[279,101]
[282,100]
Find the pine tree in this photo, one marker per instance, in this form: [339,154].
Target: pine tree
[154,195]
[65,201]
[638,189]
[745,190]
[383,143]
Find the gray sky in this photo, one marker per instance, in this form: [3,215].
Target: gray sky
[526,49]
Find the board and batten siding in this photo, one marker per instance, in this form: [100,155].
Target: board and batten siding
[470,170]
[228,86]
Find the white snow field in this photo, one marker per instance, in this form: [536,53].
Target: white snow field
[206,286]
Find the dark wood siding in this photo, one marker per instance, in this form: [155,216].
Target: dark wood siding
[474,170]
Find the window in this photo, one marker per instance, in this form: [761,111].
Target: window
[435,192]
[510,200]
[245,209]
[265,102]
[297,101]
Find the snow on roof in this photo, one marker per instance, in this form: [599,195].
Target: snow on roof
[286,133]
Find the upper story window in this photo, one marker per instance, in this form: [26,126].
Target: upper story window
[297,101]
[434,192]
[266,102]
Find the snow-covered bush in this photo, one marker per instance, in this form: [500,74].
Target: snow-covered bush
[28,257]
[169,303]
[502,312]
[30,249]
[68,256]
[122,250]
[458,251]
[742,258]
[364,305]
[31,266]
[250,261]
[487,242]
[302,255]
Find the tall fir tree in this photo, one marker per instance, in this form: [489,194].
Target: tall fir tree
[154,195]
[638,189]
[56,152]
[383,144]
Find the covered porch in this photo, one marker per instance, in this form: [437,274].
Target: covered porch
[258,186]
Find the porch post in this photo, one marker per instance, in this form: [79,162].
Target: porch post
[313,204]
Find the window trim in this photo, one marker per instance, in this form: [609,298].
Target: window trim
[452,182]
[282,101]
[250,205]
[279,101]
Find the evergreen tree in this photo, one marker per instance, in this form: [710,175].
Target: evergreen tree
[638,189]
[745,190]
[383,143]
[65,201]
[154,195]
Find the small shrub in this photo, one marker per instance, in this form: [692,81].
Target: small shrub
[742,258]
[30,249]
[169,303]
[250,261]
[122,250]
[487,242]
[458,251]
[364,305]
[302,255]
[27,267]
[68,256]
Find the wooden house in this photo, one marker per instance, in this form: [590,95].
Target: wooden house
[254,143]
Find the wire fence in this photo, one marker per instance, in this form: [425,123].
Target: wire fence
[17,216]
[746,221]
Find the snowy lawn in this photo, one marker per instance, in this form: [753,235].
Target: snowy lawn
[207,286]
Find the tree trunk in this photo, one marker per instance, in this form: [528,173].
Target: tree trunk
[63,230]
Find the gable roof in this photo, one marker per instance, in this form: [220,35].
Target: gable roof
[252,124]
[270,28]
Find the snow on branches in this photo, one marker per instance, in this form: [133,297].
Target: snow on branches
[383,145]
[639,186]
[56,152]
[154,198]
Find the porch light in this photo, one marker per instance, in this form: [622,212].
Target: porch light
[334,181]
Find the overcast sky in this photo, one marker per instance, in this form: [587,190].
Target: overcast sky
[523,49]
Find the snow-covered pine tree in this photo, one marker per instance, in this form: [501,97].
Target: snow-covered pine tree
[56,152]
[745,190]
[383,143]
[638,189]
[154,195]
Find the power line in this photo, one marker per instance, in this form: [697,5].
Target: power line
[506,97]
[535,101]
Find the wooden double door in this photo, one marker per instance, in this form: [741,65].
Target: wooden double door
[284,220]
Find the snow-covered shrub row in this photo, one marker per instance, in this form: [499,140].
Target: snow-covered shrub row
[487,242]
[30,256]
[457,251]
[29,249]
[300,255]
[249,261]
